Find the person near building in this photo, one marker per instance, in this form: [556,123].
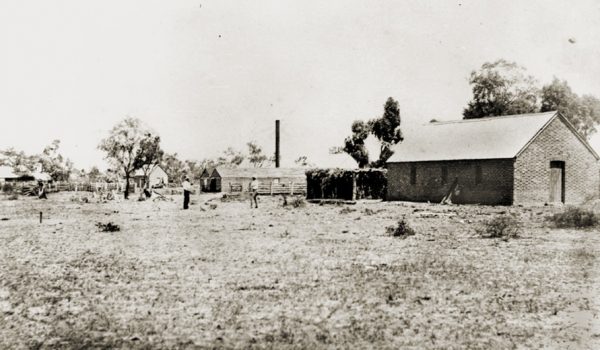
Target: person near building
[187,189]
[254,192]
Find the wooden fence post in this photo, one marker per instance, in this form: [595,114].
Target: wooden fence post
[292,189]
[271,187]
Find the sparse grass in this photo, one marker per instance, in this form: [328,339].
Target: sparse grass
[574,217]
[347,210]
[402,229]
[298,202]
[503,226]
[236,278]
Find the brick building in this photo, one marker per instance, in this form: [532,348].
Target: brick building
[519,159]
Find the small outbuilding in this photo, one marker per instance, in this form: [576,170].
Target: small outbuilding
[156,177]
[519,159]
[208,183]
[272,180]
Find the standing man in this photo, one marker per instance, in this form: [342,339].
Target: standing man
[254,192]
[187,189]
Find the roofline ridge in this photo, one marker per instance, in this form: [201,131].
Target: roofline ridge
[458,121]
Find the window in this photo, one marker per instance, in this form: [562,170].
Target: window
[444,175]
[413,174]
[478,174]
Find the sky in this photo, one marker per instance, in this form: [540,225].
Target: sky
[210,74]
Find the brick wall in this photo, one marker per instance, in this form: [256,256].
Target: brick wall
[532,168]
[496,186]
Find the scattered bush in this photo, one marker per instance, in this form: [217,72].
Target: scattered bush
[7,188]
[108,227]
[504,226]
[347,210]
[13,197]
[574,217]
[298,202]
[402,229]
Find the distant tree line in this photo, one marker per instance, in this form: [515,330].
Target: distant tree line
[50,160]
[504,88]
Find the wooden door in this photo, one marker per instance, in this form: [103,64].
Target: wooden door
[557,182]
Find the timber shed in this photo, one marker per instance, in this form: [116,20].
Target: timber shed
[519,159]
[271,180]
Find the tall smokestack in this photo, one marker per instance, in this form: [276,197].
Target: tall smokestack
[277,154]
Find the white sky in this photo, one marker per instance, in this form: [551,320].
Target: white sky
[209,74]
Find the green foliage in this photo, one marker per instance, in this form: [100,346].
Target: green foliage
[583,112]
[338,183]
[504,226]
[501,88]
[108,227]
[574,217]
[402,229]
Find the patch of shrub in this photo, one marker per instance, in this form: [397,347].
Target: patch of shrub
[346,184]
[402,229]
[108,227]
[574,217]
[13,197]
[298,202]
[504,226]
[347,210]
[7,188]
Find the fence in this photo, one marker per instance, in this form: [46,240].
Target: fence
[274,188]
[30,186]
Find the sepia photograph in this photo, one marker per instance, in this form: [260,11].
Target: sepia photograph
[285,174]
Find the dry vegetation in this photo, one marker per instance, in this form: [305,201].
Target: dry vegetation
[299,276]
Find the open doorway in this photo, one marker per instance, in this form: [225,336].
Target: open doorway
[557,181]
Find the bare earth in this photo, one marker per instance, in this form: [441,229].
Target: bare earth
[282,277]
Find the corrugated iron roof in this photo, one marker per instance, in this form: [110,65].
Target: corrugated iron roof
[485,138]
[259,172]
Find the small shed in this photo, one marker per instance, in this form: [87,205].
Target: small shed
[156,177]
[208,183]
[518,159]
[271,180]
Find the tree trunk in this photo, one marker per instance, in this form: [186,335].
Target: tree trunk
[126,186]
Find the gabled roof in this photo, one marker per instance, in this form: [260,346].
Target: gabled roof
[258,172]
[501,137]
[140,172]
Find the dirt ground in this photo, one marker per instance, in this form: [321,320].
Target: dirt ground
[222,275]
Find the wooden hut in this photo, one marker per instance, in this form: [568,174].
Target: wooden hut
[271,180]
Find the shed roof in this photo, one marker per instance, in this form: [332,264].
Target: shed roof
[258,172]
[501,137]
[140,172]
